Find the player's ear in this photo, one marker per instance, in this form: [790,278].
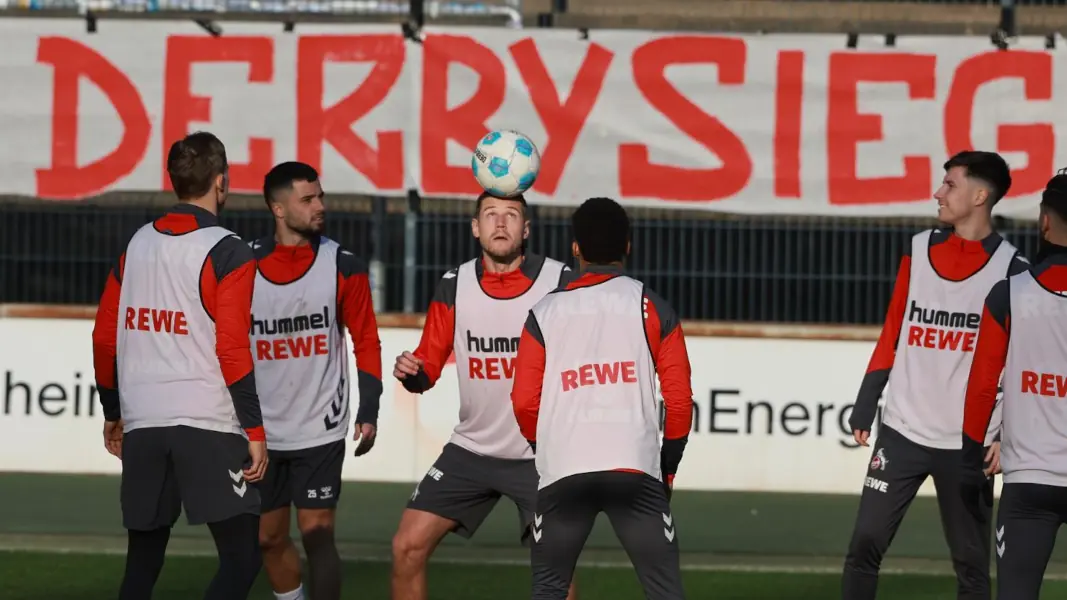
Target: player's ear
[526,230]
[627,247]
[575,251]
[474,227]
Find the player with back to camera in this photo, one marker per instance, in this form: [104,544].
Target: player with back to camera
[585,399]
[477,311]
[308,289]
[175,376]
[924,353]
[1022,336]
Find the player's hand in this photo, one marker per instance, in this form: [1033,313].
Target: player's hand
[365,435]
[407,365]
[992,460]
[861,436]
[257,451]
[113,437]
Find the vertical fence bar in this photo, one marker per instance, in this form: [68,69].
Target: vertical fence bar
[418,12]
[411,232]
[376,268]
[1007,17]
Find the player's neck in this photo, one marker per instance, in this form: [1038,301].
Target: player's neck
[585,266]
[492,266]
[974,230]
[287,237]
[207,203]
[1056,241]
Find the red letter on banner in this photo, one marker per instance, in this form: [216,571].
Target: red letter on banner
[846,127]
[1038,141]
[638,176]
[563,122]
[788,106]
[333,125]
[181,107]
[464,123]
[71,61]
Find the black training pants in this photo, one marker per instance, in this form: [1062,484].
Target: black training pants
[897,469]
[637,506]
[1028,519]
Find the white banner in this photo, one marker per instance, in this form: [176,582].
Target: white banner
[795,124]
[770,416]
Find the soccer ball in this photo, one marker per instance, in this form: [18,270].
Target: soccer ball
[506,163]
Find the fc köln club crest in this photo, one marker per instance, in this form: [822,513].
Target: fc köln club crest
[879,461]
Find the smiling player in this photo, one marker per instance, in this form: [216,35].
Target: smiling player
[924,354]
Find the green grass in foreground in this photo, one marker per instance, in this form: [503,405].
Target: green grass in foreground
[40,576]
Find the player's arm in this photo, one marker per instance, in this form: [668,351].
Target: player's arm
[878,368]
[105,343]
[666,341]
[438,333]
[227,282]
[990,355]
[357,311]
[529,379]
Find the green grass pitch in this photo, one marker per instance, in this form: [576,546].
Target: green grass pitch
[61,538]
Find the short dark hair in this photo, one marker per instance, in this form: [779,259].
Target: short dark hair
[194,162]
[283,175]
[1054,198]
[481,198]
[988,167]
[602,230]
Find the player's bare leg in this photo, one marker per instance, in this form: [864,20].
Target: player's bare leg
[281,560]
[416,538]
[324,563]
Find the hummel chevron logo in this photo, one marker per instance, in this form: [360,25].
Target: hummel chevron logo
[1000,533]
[1001,544]
[333,418]
[668,531]
[534,529]
[1000,549]
[238,477]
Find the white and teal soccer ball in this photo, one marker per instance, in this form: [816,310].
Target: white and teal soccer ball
[506,163]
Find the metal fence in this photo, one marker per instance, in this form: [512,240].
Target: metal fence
[415,10]
[755,269]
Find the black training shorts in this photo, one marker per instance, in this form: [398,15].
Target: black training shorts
[166,468]
[306,478]
[464,486]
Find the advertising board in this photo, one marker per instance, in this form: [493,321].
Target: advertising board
[770,414]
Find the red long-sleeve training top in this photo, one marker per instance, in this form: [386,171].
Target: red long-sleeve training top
[953,258]
[439,329]
[991,351]
[227,280]
[284,264]
[667,346]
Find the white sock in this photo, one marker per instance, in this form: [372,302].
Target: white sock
[297,594]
